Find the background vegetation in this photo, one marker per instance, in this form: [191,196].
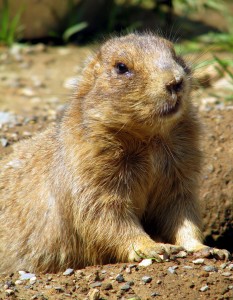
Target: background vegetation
[190,22]
[89,20]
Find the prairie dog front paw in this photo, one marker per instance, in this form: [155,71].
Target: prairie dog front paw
[147,248]
[206,251]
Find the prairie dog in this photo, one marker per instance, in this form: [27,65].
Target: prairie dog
[117,177]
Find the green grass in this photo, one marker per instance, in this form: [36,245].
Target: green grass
[9,27]
[223,66]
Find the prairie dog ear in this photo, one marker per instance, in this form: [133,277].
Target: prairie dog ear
[93,66]
[90,73]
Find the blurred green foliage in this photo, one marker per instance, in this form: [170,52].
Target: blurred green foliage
[93,19]
[9,27]
[219,41]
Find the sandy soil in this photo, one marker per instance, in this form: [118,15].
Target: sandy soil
[35,84]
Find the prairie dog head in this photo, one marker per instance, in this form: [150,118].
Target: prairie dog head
[136,82]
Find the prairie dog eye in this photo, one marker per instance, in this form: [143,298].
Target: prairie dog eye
[121,68]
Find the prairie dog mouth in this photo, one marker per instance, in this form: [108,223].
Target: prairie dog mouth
[169,109]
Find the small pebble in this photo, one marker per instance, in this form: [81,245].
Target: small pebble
[107,286]
[172,269]
[204,288]
[18,282]
[223,266]
[159,281]
[226,274]
[9,292]
[59,289]
[28,92]
[68,272]
[188,267]
[154,294]
[128,270]
[26,276]
[125,287]
[230,287]
[198,261]
[33,280]
[95,284]
[120,278]
[94,294]
[181,254]
[6,117]
[146,262]
[230,267]
[4,142]
[79,274]
[210,269]
[146,279]
[22,272]
[135,298]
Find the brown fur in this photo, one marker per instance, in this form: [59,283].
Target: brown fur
[115,175]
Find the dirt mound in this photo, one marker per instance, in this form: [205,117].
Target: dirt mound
[217,179]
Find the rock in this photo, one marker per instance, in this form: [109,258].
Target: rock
[226,274]
[22,272]
[135,298]
[146,279]
[188,267]
[68,272]
[27,91]
[198,261]
[172,269]
[26,276]
[6,117]
[59,289]
[181,254]
[9,292]
[131,282]
[125,287]
[146,262]
[154,294]
[204,288]
[4,142]
[230,267]
[33,280]
[107,286]
[95,284]
[210,269]
[18,282]
[223,266]
[120,278]
[94,294]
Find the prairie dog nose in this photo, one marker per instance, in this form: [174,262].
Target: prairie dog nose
[175,85]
